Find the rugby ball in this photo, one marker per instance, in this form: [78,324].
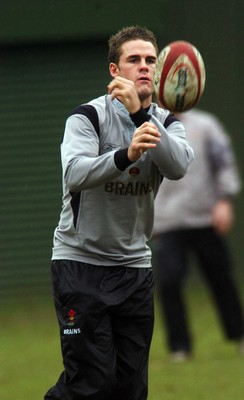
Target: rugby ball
[180,76]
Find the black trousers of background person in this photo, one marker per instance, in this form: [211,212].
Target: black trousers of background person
[106,317]
[172,251]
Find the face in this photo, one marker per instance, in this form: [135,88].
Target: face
[137,63]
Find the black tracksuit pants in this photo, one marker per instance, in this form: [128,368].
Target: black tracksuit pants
[106,317]
[172,250]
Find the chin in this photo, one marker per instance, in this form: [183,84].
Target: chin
[145,94]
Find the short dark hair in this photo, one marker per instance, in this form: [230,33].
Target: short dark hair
[127,34]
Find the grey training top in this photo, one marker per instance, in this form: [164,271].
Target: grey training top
[108,202]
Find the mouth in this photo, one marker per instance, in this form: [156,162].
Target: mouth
[144,79]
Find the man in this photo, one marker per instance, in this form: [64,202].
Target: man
[115,151]
[193,215]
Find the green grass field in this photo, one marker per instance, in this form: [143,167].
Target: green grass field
[30,360]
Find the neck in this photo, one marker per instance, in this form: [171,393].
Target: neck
[146,103]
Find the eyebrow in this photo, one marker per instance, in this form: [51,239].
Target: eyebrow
[139,56]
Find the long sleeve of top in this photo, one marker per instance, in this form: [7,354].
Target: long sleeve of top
[212,176]
[108,202]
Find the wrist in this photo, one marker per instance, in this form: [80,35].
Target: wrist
[121,159]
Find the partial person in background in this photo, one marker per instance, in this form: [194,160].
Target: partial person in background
[194,215]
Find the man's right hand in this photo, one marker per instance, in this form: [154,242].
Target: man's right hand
[125,91]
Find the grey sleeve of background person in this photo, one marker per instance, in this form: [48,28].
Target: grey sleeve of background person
[222,160]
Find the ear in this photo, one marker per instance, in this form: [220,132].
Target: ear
[113,69]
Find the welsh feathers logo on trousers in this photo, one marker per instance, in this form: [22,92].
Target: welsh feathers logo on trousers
[71,322]
[71,317]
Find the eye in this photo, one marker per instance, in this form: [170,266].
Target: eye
[133,60]
[151,60]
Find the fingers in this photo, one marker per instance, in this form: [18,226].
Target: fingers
[147,132]
[118,87]
[145,137]
[119,83]
[125,91]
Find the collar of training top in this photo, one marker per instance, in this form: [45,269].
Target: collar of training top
[121,107]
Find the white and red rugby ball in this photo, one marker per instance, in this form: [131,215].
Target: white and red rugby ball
[180,76]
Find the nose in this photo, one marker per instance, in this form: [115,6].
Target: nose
[143,65]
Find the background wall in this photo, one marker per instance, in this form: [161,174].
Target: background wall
[53,56]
